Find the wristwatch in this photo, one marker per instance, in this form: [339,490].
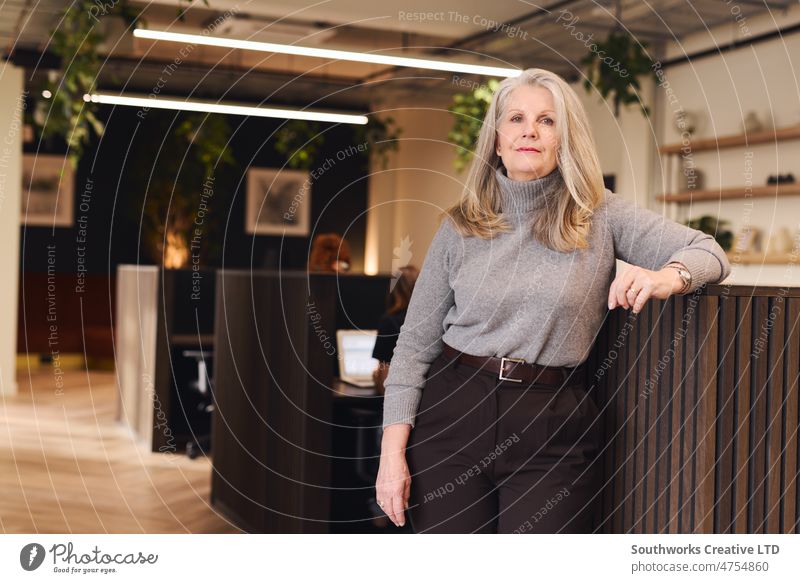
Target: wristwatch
[685,276]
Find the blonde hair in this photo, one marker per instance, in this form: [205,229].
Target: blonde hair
[564,224]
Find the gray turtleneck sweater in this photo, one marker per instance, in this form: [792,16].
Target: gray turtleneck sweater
[512,296]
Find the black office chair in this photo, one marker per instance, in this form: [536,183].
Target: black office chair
[201,444]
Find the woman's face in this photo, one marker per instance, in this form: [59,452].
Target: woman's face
[527,140]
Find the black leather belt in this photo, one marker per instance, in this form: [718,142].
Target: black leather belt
[516,370]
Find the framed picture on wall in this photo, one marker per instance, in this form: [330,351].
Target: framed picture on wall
[47,194]
[278,202]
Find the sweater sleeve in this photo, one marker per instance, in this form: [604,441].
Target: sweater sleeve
[420,340]
[648,239]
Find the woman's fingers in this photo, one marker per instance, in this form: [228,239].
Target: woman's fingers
[641,299]
[398,510]
[622,294]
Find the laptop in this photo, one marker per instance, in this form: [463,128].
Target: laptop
[355,356]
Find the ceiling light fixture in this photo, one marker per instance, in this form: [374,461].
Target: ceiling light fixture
[373,58]
[182,105]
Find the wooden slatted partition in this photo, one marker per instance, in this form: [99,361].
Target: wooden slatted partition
[700,412]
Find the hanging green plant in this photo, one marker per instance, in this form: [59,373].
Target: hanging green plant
[302,140]
[614,67]
[67,115]
[469,110]
[380,135]
[76,41]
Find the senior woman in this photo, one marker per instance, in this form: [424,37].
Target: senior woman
[489,424]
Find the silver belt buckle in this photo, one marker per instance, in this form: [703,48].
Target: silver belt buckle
[503,368]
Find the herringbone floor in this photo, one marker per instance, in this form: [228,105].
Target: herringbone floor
[67,466]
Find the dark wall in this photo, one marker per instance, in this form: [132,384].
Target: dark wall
[120,162]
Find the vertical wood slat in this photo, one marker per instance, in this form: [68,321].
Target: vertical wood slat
[726,405]
[663,387]
[777,344]
[607,375]
[742,431]
[617,427]
[705,434]
[688,418]
[791,493]
[655,313]
[676,413]
[640,368]
[759,359]
[630,386]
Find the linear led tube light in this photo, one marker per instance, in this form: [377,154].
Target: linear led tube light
[232,43]
[166,103]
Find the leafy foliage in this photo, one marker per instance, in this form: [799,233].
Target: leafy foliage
[381,135]
[469,110]
[713,226]
[180,177]
[75,41]
[614,68]
[302,140]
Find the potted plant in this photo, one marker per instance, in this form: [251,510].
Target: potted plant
[713,226]
[614,68]
[183,188]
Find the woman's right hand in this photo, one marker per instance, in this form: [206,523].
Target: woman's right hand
[393,485]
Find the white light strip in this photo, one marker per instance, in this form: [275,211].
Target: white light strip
[379,59]
[159,103]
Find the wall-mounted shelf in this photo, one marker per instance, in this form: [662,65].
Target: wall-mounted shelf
[757,258]
[671,155]
[732,141]
[766,191]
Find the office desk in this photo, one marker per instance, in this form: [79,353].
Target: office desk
[356,434]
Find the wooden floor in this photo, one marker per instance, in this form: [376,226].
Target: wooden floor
[67,466]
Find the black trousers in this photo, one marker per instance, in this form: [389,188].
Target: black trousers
[494,456]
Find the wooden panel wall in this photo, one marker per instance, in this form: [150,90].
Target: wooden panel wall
[700,412]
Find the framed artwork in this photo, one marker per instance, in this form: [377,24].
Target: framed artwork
[278,202]
[47,195]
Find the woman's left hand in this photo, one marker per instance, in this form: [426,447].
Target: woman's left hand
[636,285]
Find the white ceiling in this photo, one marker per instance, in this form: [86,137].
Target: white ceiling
[451,29]
[452,18]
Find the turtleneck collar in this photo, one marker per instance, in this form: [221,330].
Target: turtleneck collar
[521,197]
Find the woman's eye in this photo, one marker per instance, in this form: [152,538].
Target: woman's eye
[549,120]
[516,118]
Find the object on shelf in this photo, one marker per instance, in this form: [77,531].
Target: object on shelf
[686,121]
[748,240]
[752,123]
[690,177]
[713,226]
[781,179]
[780,241]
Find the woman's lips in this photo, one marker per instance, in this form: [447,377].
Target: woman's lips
[527,150]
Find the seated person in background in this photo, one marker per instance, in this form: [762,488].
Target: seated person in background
[391,321]
[329,252]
